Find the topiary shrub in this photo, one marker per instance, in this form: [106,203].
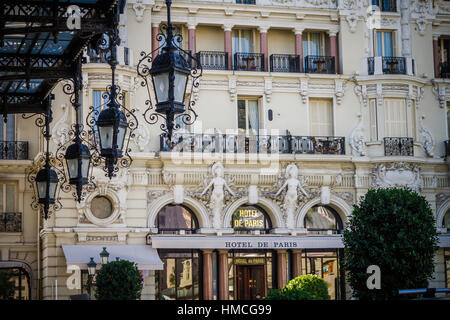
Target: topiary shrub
[395,230]
[119,280]
[305,287]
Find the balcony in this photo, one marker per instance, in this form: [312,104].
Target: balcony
[10,222]
[213,60]
[388,65]
[123,56]
[285,63]
[444,70]
[398,146]
[13,150]
[319,64]
[233,143]
[248,61]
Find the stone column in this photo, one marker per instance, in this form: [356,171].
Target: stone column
[263,46]
[296,263]
[191,38]
[155,44]
[228,44]
[299,46]
[333,50]
[282,268]
[207,275]
[436,56]
[223,275]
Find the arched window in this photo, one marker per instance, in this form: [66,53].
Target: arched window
[251,219]
[176,219]
[15,284]
[323,219]
[446,221]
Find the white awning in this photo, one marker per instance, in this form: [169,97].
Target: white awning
[246,242]
[144,256]
[444,241]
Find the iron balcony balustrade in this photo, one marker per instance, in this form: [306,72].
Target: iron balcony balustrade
[246,1]
[445,70]
[213,60]
[385,5]
[10,222]
[244,61]
[285,63]
[123,56]
[320,64]
[390,65]
[13,150]
[235,143]
[398,146]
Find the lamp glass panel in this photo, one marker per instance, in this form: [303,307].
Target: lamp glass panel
[41,187]
[85,167]
[52,190]
[72,166]
[106,137]
[180,86]
[121,137]
[161,83]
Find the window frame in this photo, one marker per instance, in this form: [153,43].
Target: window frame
[239,30]
[260,122]
[383,46]
[194,222]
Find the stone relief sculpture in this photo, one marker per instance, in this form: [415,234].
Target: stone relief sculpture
[357,142]
[291,197]
[219,186]
[60,132]
[426,138]
[399,174]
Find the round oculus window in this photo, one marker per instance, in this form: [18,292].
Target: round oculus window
[101,207]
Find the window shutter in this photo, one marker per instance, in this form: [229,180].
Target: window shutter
[395,118]
[373,120]
[321,117]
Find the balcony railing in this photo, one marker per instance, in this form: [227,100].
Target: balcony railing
[320,64]
[398,146]
[213,60]
[123,56]
[394,65]
[445,70]
[249,61]
[233,143]
[10,222]
[13,150]
[386,5]
[246,1]
[285,63]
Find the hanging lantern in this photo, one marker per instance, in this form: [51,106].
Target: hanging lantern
[46,183]
[78,158]
[112,127]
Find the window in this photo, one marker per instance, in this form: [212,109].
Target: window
[7,197]
[244,41]
[320,219]
[180,279]
[384,44]
[176,219]
[321,117]
[250,219]
[15,284]
[8,129]
[248,117]
[385,5]
[373,120]
[395,118]
[101,207]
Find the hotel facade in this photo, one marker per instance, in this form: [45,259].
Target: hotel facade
[302,107]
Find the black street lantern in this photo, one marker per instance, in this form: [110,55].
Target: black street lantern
[78,159]
[112,128]
[46,183]
[170,73]
[104,256]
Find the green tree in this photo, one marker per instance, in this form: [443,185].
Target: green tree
[119,280]
[305,287]
[7,285]
[395,230]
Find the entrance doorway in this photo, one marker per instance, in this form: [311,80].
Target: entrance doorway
[251,282]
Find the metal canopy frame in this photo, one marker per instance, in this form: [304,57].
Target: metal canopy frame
[37,48]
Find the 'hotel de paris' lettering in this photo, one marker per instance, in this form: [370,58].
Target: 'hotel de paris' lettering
[261,244]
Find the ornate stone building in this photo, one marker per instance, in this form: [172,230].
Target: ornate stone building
[303,106]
